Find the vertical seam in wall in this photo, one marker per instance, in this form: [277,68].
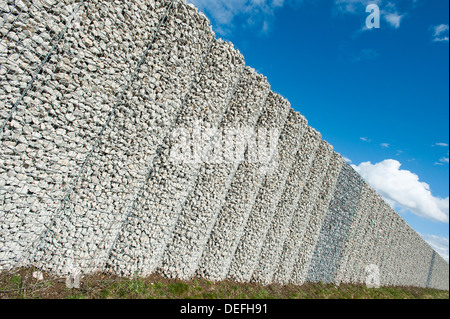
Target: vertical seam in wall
[173,226]
[39,69]
[277,209]
[347,235]
[347,248]
[320,258]
[323,211]
[430,272]
[385,254]
[280,256]
[244,224]
[233,174]
[312,196]
[97,140]
[158,152]
[260,245]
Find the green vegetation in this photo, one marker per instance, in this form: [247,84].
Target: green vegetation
[21,284]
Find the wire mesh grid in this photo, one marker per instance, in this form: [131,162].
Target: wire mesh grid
[44,148]
[78,177]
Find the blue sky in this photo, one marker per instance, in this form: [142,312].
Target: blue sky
[379,96]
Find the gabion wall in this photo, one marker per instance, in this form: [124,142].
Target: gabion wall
[92,93]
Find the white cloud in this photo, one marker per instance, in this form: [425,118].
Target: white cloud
[393,19]
[443,160]
[402,189]
[365,139]
[440,33]
[391,15]
[442,144]
[385,145]
[257,13]
[266,27]
[347,160]
[439,244]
